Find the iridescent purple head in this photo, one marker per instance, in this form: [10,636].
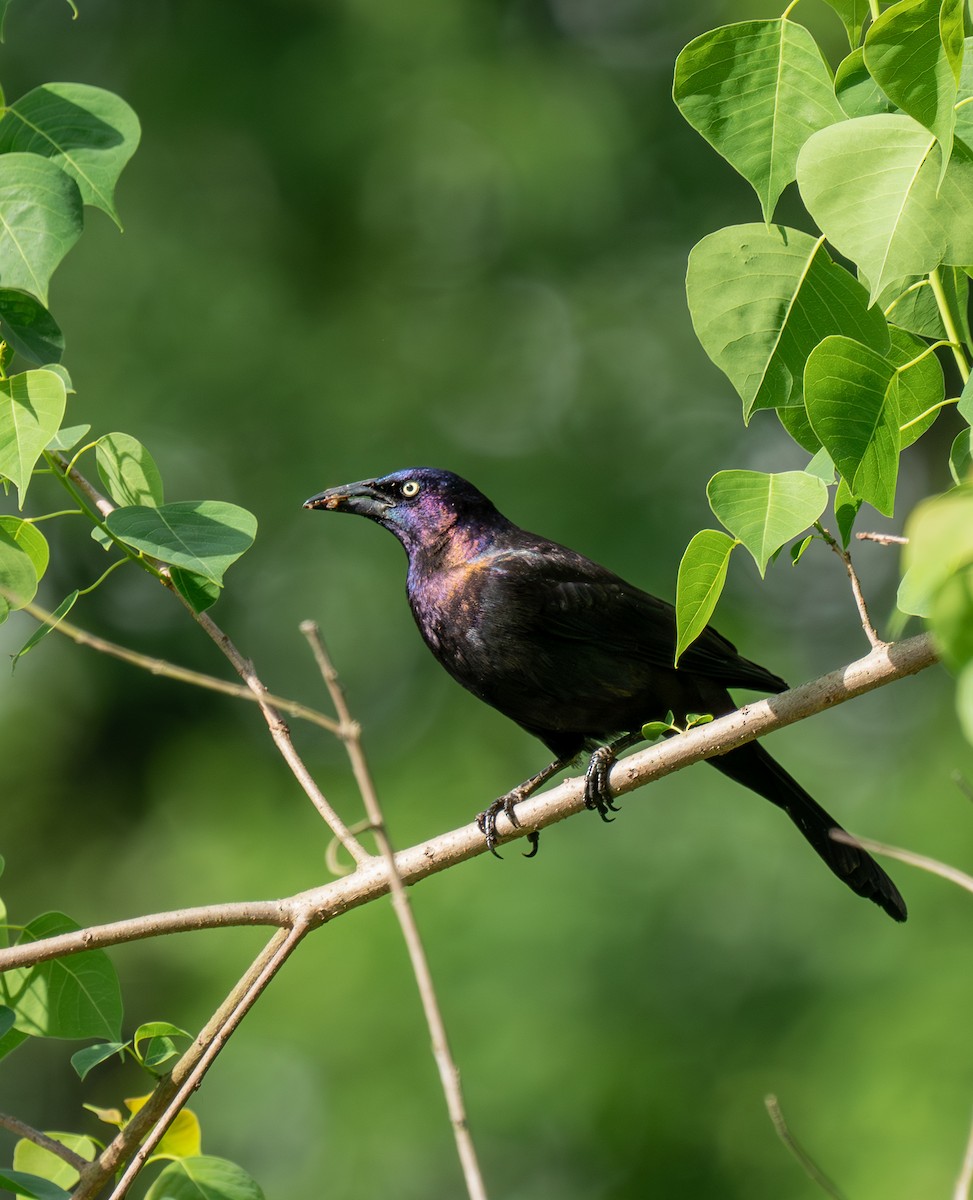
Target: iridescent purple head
[420,505]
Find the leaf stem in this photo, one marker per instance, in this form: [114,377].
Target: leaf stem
[922,416]
[956,345]
[913,287]
[856,588]
[64,512]
[811,1168]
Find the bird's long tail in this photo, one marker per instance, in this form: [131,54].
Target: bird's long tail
[752,766]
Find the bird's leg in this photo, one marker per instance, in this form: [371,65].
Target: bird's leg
[487,820]
[597,789]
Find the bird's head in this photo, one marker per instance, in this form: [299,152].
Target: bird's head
[422,506]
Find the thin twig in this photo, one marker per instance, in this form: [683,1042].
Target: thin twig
[811,1169]
[932,865]
[277,952]
[52,1145]
[370,880]
[448,1071]
[883,539]
[856,588]
[171,1092]
[159,666]
[965,1180]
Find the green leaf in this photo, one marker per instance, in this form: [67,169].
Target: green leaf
[852,14]
[951,619]
[18,577]
[32,1186]
[871,185]
[40,220]
[851,405]
[965,405]
[964,114]
[961,457]
[30,539]
[88,132]
[940,545]
[28,328]
[822,466]
[198,592]
[7,1018]
[161,1047]
[756,91]
[917,388]
[67,437]
[204,536]
[702,574]
[46,1164]
[916,310]
[964,701]
[857,92]
[846,506]
[204,1178]
[797,550]
[914,52]
[44,629]
[72,997]
[762,298]
[31,407]
[765,511]
[128,470]
[84,1060]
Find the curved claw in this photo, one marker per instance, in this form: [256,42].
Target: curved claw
[534,837]
[597,789]
[487,821]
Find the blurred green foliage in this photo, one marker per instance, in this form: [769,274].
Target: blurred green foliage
[361,235]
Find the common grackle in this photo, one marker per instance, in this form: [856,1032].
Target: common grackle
[571,652]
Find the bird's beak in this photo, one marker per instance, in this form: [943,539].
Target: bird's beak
[363,498]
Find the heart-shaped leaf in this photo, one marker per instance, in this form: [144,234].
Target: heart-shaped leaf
[128,470]
[40,220]
[203,536]
[765,511]
[31,407]
[756,91]
[762,298]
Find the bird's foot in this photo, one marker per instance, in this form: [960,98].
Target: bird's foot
[487,820]
[597,789]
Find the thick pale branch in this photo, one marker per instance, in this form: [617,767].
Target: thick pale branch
[882,666]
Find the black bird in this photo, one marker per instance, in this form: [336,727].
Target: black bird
[571,652]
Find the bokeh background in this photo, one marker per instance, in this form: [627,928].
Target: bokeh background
[366,234]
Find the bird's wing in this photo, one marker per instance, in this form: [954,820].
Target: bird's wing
[575,599]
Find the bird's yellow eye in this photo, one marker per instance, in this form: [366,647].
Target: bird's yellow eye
[410,488]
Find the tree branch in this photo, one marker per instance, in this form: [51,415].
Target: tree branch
[52,1145]
[448,1071]
[882,666]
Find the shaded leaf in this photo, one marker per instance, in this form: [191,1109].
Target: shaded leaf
[84,1060]
[32,1186]
[88,132]
[128,470]
[961,457]
[18,577]
[765,511]
[72,997]
[940,533]
[852,14]
[846,508]
[67,437]
[28,328]
[857,92]
[199,593]
[40,220]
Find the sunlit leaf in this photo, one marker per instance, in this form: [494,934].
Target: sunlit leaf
[31,407]
[914,52]
[702,574]
[204,536]
[37,1161]
[204,1178]
[765,511]
[852,14]
[756,91]
[762,298]
[871,185]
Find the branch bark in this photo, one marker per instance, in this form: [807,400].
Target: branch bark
[882,666]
